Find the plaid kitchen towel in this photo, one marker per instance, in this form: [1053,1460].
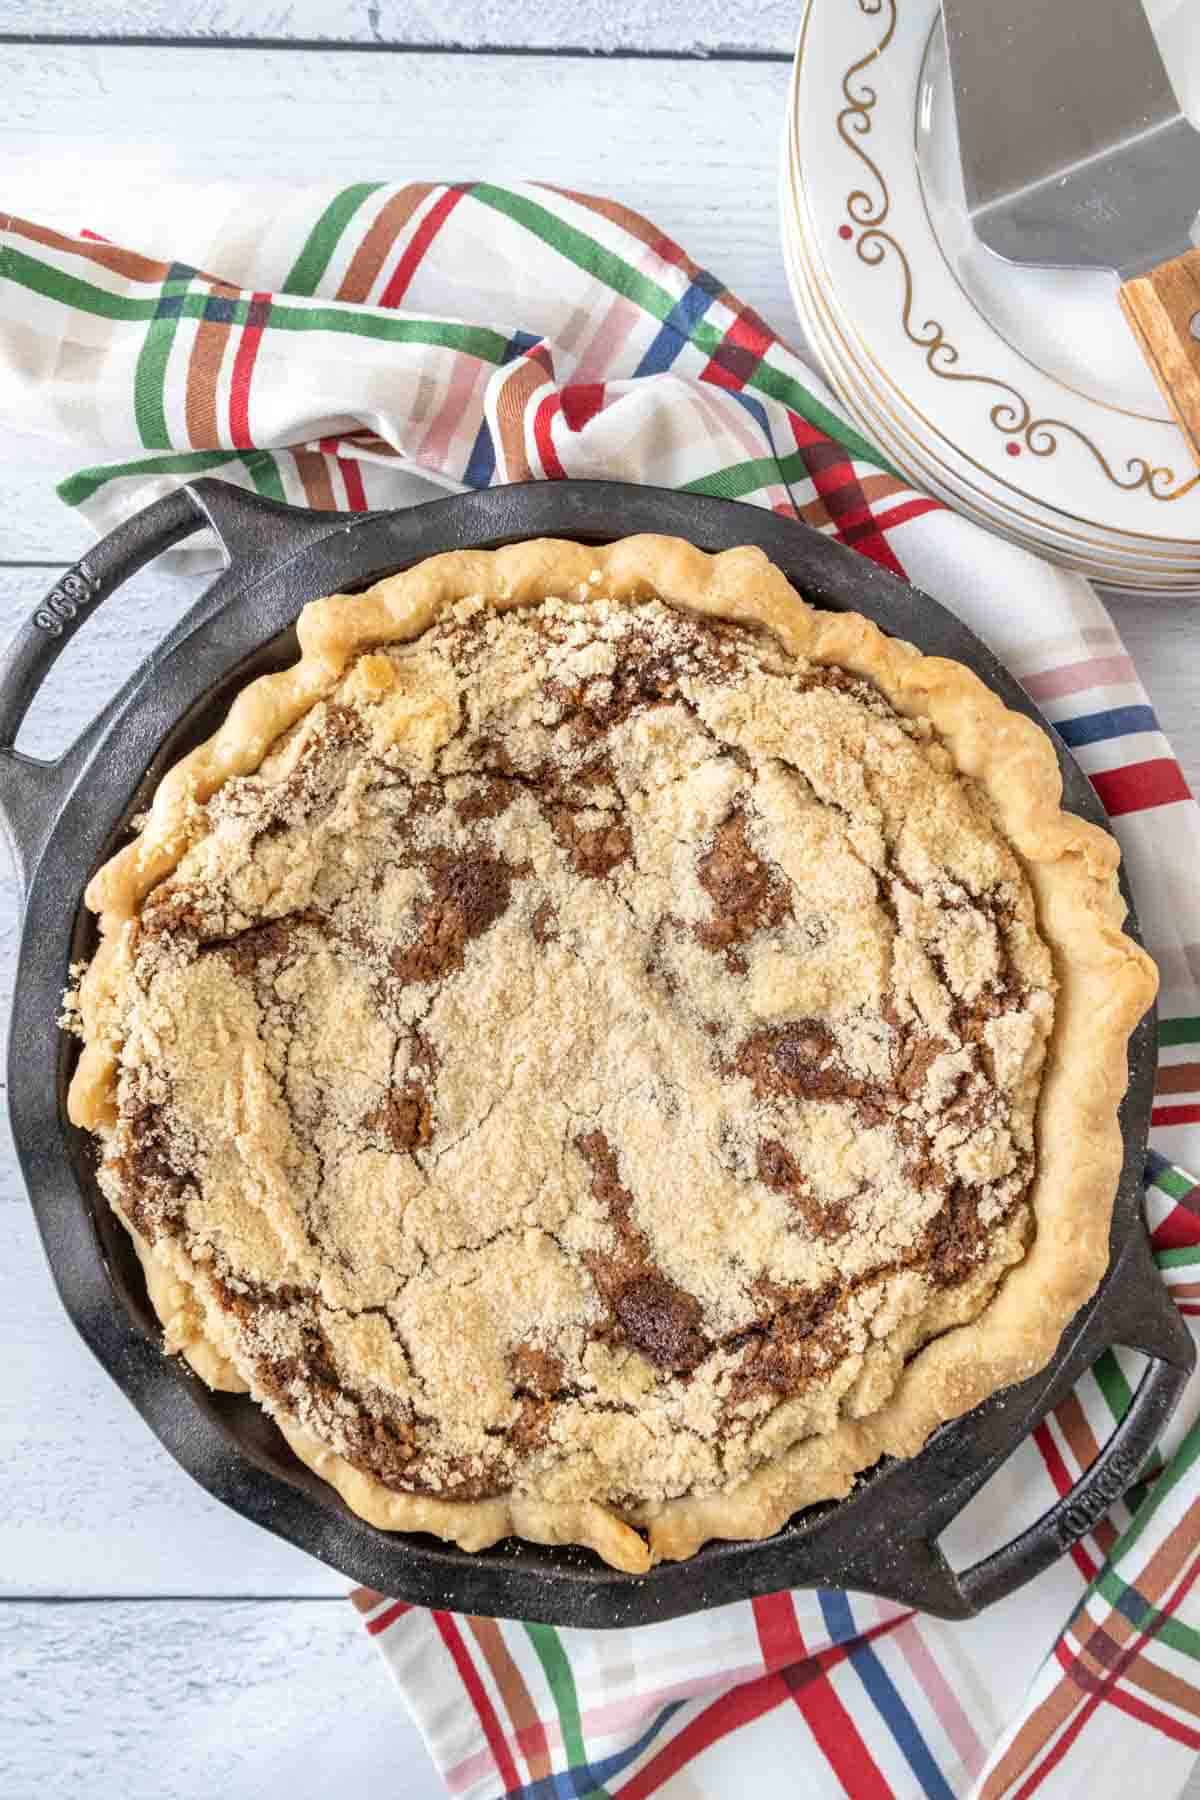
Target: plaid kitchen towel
[351,348]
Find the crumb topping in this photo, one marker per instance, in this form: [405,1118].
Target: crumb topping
[583,1057]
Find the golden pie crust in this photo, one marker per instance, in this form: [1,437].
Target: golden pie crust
[605,1052]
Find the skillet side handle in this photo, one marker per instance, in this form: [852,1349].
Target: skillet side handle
[32,790]
[1105,1481]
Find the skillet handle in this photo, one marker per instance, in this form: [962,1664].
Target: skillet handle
[1084,1505]
[1145,1318]
[901,1556]
[32,790]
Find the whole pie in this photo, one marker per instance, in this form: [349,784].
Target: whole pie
[604,1051]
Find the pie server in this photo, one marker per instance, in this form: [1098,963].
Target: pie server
[1075,152]
[64,818]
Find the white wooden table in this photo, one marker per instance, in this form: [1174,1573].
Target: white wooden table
[151,1643]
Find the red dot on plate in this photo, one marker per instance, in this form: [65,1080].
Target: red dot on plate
[844,231]
[1013,449]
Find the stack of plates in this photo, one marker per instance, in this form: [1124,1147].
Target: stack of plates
[1017,395]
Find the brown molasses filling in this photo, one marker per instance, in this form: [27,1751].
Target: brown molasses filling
[589,1056]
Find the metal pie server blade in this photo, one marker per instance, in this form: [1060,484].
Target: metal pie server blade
[1076,153]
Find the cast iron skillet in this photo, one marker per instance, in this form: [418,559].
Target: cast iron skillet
[64,818]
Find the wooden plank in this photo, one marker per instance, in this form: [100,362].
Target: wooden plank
[679,27]
[93,1503]
[167,1701]
[35,526]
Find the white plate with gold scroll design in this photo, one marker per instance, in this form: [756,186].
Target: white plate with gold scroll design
[1017,393]
[909,450]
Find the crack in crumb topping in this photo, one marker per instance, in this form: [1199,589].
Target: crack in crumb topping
[584,1057]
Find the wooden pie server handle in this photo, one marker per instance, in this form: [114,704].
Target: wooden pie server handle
[1159,307]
